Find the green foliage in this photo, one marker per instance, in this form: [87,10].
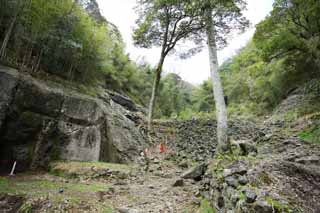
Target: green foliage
[26,208]
[174,97]
[31,186]
[311,134]
[278,206]
[291,30]
[71,40]
[166,23]
[108,210]
[202,99]
[205,207]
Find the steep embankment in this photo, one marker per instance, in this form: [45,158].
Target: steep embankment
[42,121]
[283,175]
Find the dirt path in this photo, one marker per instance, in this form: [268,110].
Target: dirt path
[136,192]
[154,192]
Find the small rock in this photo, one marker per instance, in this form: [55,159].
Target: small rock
[234,199]
[220,202]
[247,148]
[251,196]
[184,165]
[196,173]
[169,206]
[237,167]
[121,183]
[140,182]
[263,207]
[178,183]
[196,201]
[111,190]
[156,161]
[198,193]
[158,173]
[100,195]
[243,180]
[309,160]
[126,210]
[232,181]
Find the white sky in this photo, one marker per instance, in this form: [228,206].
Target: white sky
[194,70]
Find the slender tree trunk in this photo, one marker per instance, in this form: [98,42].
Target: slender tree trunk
[29,58]
[221,111]
[7,37]
[36,68]
[155,89]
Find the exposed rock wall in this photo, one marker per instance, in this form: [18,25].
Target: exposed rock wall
[40,122]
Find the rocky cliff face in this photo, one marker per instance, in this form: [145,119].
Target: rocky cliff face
[40,122]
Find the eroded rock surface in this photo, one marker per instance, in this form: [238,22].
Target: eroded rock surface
[40,122]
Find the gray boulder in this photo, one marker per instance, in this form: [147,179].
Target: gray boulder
[247,147]
[262,207]
[251,196]
[236,168]
[196,173]
[178,183]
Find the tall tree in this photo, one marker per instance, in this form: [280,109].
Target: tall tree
[164,23]
[221,109]
[221,17]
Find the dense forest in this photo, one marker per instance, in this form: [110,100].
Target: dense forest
[74,42]
[69,40]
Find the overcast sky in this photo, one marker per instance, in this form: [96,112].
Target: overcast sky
[194,70]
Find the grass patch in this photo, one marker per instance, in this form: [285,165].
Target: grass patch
[74,169]
[278,206]
[242,196]
[50,187]
[26,208]
[311,134]
[5,186]
[108,210]
[205,207]
[41,187]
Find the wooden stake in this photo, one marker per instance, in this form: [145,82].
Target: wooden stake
[13,168]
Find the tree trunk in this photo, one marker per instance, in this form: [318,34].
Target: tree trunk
[38,62]
[7,37]
[221,111]
[155,91]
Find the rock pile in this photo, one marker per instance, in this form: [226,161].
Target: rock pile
[196,139]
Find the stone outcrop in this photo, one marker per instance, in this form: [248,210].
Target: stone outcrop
[42,121]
